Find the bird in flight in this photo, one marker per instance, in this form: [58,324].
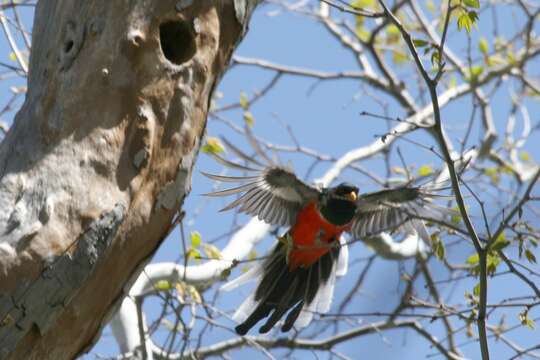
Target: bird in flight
[299,274]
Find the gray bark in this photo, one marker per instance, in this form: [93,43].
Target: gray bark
[99,158]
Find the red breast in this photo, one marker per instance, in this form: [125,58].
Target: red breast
[312,236]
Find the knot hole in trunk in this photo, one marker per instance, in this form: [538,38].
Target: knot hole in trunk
[177,41]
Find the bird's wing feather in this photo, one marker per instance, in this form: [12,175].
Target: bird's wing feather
[389,209]
[245,309]
[254,273]
[275,195]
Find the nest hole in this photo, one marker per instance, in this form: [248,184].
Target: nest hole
[177,41]
[68,46]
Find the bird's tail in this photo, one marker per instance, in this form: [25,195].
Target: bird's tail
[300,292]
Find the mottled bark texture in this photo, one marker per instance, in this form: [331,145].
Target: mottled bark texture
[99,158]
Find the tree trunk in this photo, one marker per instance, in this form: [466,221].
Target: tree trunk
[99,158]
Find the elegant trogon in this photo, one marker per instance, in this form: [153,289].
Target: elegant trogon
[298,276]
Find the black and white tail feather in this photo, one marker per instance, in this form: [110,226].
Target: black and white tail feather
[302,292]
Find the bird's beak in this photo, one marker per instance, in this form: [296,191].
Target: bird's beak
[351,196]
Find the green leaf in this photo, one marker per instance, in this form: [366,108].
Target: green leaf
[434,237]
[500,243]
[505,169]
[473,259]
[464,22]
[456,215]
[362,4]
[435,58]
[420,43]
[467,19]
[361,32]
[425,170]
[530,256]
[525,320]
[163,285]
[490,171]
[493,260]
[212,251]
[392,30]
[193,253]
[440,250]
[213,146]
[472,3]
[524,156]
[399,58]
[196,239]
[249,119]
[474,73]
[473,16]
[244,102]
[511,58]
[476,290]
[392,34]
[483,46]
[12,56]
[493,174]
[494,60]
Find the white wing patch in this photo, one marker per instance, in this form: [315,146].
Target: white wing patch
[343,258]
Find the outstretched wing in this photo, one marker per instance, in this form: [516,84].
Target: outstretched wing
[273,194]
[388,209]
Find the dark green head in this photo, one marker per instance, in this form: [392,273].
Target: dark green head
[338,204]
